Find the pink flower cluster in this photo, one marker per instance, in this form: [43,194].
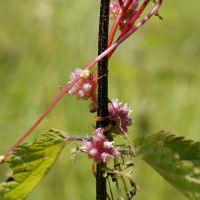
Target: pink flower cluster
[115,8]
[100,148]
[85,87]
[120,116]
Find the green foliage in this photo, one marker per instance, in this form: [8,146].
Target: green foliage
[174,158]
[30,162]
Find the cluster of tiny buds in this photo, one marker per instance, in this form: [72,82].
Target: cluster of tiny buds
[115,9]
[85,87]
[120,116]
[100,148]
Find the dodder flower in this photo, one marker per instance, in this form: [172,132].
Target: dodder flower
[119,115]
[100,148]
[85,87]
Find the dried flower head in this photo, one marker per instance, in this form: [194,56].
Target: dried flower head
[100,148]
[85,87]
[120,116]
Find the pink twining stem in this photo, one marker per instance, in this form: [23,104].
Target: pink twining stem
[122,13]
[135,17]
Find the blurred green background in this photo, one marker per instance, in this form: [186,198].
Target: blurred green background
[156,72]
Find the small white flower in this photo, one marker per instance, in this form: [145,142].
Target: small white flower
[80,93]
[108,145]
[93,152]
[87,87]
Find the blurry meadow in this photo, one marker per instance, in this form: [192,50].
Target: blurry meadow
[156,72]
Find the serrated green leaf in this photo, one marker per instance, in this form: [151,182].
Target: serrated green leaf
[29,163]
[175,158]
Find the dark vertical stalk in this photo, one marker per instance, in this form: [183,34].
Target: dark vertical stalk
[102,91]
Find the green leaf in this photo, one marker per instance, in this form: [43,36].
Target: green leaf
[175,158]
[30,163]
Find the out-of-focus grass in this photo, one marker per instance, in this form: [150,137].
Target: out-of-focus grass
[156,72]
